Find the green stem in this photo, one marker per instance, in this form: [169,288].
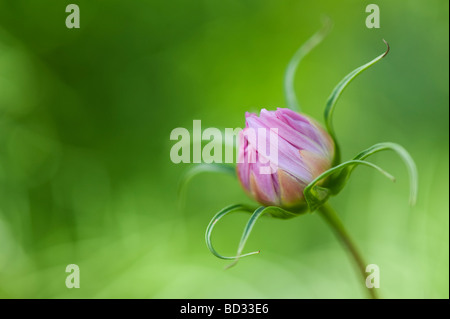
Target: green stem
[330,216]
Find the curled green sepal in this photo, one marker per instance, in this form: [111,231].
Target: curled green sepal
[277,212]
[260,211]
[227,210]
[317,195]
[336,93]
[407,159]
[308,46]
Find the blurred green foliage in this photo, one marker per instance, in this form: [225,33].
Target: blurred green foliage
[85,174]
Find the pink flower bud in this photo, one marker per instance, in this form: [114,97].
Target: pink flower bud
[303,150]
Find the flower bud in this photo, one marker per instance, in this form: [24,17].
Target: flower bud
[303,150]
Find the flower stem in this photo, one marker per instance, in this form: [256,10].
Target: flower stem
[330,216]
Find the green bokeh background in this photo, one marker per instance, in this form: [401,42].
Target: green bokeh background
[85,173]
